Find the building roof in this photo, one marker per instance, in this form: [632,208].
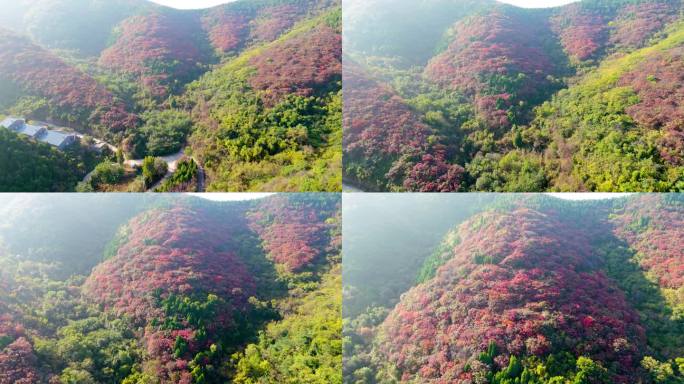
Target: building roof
[32,130]
[39,132]
[9,121]
[55,138]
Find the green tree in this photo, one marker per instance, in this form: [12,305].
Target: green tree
[590,372]
[153,169]
[108,173]
[165,131]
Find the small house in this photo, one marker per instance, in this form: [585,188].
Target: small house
[58,139]
[40,132]
[13,124]
[33,131]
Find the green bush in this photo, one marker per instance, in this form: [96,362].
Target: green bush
[164,132]
[153,169]
[107,173]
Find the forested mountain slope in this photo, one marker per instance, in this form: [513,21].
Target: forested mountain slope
[271,118]
[579,97]
[265,115]
[68,95]
[185,292]
[535,290]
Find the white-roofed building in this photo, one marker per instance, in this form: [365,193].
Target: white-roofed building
[34,131]
[13,123]
[41,132]
[58,139]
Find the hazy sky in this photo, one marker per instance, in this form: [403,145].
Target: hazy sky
[230,196]
[587,196]
[189,4]
[538,3]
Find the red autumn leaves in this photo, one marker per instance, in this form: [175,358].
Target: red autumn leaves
[659,83]
[381,129]
[17,358]
[179,252]
[300,65]
[233,28]
[73,95]
[499,59]
[159,48]
[293,235]
[527,281]
[584,31]
[653,228]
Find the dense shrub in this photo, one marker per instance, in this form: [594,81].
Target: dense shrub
[185,178]
[504,59]
[513,172]
[173,278]
[534,290]
[162,49]
[18,363]
[636,23]
[582,31]
[303,65]
[71,96]
[518,286]
[606,133]
[305,347]
[30,166]
[107,173]
[658,84]
[650,225]
[489,106]
[227,28]
[153,169]
[251,139]
[181,288]
[164,132]
[386,144]
[294,230]
[234,27]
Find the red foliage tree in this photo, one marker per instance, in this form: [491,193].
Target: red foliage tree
[583,32]
[295,233]
[499,58]
[18,362]
[526,281]
[635,23]
[384,133]
[160,48]
[659,83]
[272,21]
[181,252]
[73,96]
[10,329]
[228,29]
[299,66]
[427,172]
[651,225]
[233,27]
[376,120]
